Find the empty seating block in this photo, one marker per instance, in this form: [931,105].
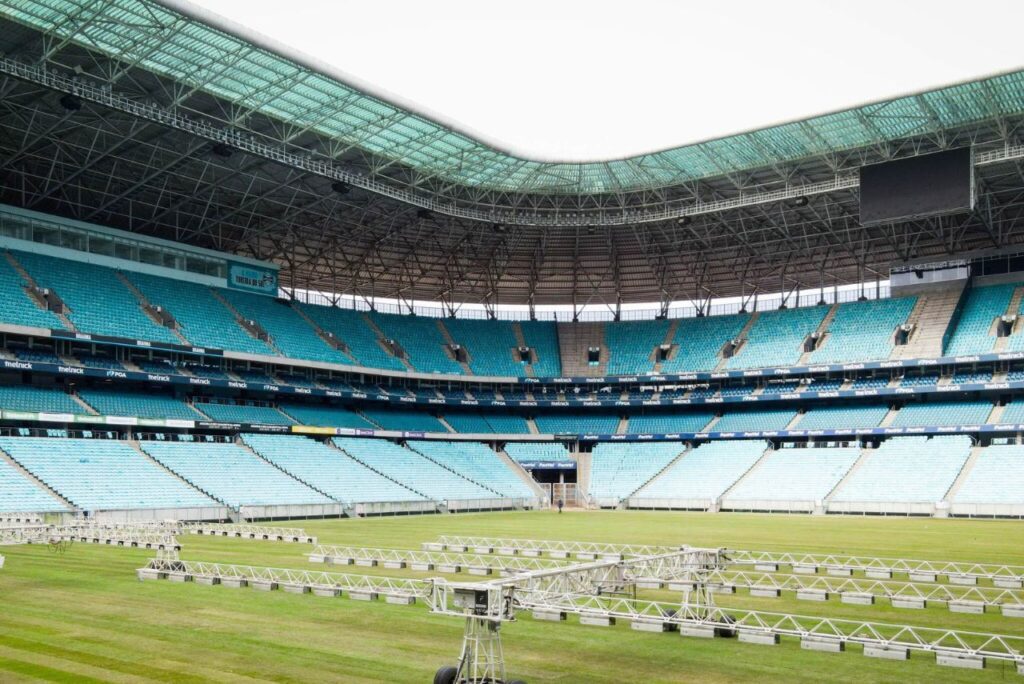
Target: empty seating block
[477,462]
[410,420]
[237,413]
[537,451]
[577,423]
[662,423]
[142,405]
[863,331]
[351,328]
[776,338]
[618,469]
[974,332]
[232,474]
[486,422]
[19,494]
[328,416]
[907,470]
[706,472]
[631,345]
[37,399]
[796,475]
[16,307]
[698,341]
[412,469]
[97,299]
[542,337]
[202,318]
[996,478]
[751,421]
[101,474]
[842,417]
[287,329]
[491,345]
[328,469]
[422,341]
[943,413]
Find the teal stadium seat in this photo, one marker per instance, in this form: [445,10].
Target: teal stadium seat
[697,342]
[542,337]
[16,307]
[705,473]
[38,399]
[491,346]
[363,345]
[631,345]
[943,413]
[863,331]
[240,413]
[776,338]
[478,463]
[327,416]
[973,333]
[422,341]
[108,402]
[663,423]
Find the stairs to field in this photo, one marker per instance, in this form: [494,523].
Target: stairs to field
[148,308]
[623,425]
[573,341]
[383,345]
[517,330]
[241,320]
[522,475]
[652,478]
[742,337]
[670,335]
[930,317]
[583,462]
[849,473]
[32,284]
[964,472]
[822,331]
[1012,309]
[889,417]
[54,494]
[81,402]
[449,340]
[996,415]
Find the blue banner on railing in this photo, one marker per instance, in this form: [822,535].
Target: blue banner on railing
[252,278]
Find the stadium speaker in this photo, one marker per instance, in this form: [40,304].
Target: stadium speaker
[222,150]
[71,103]
[685,220]
[801,201]
[424,213]
[341,188]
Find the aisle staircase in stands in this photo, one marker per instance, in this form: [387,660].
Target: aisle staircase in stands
[450,341]
[822,331]
[380,340]
[742,337]
[242,320]
[573,341]
[1012,309]
[147,307]
[32,284]
[521,342]
[930,318]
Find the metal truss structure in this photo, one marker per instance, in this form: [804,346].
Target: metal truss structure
[118,114]
[426,561]
[550,548]
[244,531]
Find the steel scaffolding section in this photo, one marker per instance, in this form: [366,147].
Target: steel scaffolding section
[428,560]
[242,531]
[554,549]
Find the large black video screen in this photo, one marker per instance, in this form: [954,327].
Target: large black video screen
[929,185]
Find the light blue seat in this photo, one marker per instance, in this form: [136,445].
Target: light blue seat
[973,333]
[19,494]
[411,420]
[699,340]
[842,417]
[232,474]
[618,469]
[412,469]
[38,399]
[537,451]
[329,470]
[101,474]
[349,326]
[476,462]
[863,331]
[776,338]
[706,472]
[109,402]
[907,470]
[422,341]
[558,422]
[996,478]
[754,421]
[662,423]
[943,413]
[631,345]
[238,413]
[795,475]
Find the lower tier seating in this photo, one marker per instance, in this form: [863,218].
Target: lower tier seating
[101,474]
[997,477]
[141,404]
[329,470]
[701,476]
[38,399]
[907,470]
[239,413]
[475,461]
[19,494]
[618,469]
[793,475]
[537,451]
[232,474]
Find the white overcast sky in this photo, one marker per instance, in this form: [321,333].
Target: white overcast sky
[590,80]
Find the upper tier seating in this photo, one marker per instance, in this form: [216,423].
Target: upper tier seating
[18,494]
[288,331]
[776,338]
[699,340]
[1014,412]
[796,475]
[537,451]
[98,301]
[631,345]
[750,421]
[974,334]
[422,341]
[577,423]
[863,331]
[232,474]
[101,474]
[16,307]
[663,423]
[476,462]
[542,337]
[706,472]
[202,319]
[237,413]
[840,417]
[618,469]
[37,399]
[327,416]
[110,402]
[491,345]
[351,328]
[943,413]
[412,469]
[329,470]
[412,420]
[907,470]
[997,477]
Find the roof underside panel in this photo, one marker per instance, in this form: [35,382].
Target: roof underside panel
[150,36]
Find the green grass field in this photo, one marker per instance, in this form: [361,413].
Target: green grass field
[82,616]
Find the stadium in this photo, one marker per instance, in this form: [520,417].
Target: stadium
[747,409]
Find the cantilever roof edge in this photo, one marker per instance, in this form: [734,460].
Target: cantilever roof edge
[181,41]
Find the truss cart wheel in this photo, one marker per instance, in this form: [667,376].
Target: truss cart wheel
[446,675]
[726,632]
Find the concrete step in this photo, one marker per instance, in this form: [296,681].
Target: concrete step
[742,336]
[963,474]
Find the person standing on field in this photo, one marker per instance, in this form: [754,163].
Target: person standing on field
[560,504]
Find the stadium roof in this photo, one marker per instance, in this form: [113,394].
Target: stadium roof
[146,117]
[178,40]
